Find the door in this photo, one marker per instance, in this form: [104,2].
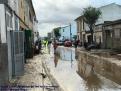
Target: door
[18,52]
[108,39]
[89,39]
[16,46]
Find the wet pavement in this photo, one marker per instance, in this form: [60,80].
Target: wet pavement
[49,72]
[63,67]
[34,78]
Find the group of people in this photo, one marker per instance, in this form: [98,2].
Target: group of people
[47,44]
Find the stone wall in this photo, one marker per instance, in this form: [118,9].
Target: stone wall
[89,63]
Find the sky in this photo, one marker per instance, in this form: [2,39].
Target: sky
[57,13]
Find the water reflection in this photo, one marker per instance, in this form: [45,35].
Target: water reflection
[67,54]
[56,57]
[64,55]
[91,81]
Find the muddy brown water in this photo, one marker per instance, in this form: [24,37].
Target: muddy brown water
[94,81]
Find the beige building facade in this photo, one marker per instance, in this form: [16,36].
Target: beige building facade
[27,15]
[84,34]
[112,35]
[83,30]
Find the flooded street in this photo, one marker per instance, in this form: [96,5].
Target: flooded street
[63,66]
[49,72]
[60,45]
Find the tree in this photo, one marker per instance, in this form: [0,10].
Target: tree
[91,15]
[75,37]
[57,32]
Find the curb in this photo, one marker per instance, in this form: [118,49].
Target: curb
[51,78]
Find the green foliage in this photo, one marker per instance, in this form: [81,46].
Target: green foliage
[57,32]
[75,37]
[91,15]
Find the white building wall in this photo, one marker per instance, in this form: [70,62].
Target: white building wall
[3,24]
[110,12]
[15,21]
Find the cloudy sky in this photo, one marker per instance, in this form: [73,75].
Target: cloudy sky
[54,13]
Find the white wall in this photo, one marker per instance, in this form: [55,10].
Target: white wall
[2,22]
[110,12]
[14,5]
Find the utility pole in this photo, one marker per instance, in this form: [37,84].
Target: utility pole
[71,49]
[70,31]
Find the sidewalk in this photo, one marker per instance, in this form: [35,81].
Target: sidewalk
[33,76]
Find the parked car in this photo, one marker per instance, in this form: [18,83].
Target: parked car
[68,44]
[93,46]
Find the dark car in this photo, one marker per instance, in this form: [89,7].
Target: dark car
[93,46]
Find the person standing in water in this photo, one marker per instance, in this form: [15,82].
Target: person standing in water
[49,45]
[55,45]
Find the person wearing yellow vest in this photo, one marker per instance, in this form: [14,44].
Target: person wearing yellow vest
[44,43]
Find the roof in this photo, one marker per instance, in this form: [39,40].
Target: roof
[78,18]
[113,22]
[109,5]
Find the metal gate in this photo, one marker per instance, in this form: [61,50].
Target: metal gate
[16,45]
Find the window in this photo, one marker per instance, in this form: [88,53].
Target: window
[30,16]
[63,30]
[117,33]
[16,23]
[8,21]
